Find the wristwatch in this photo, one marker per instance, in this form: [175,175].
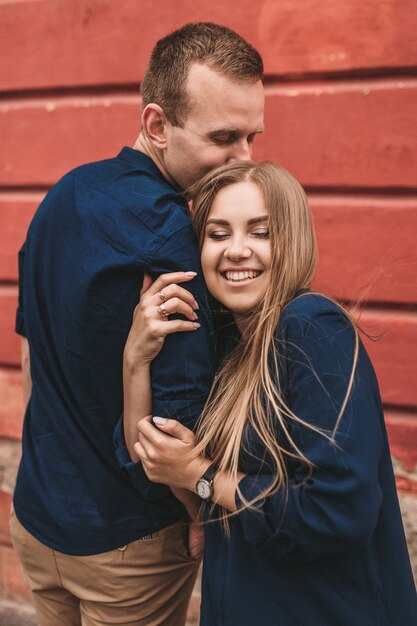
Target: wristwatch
[204,485]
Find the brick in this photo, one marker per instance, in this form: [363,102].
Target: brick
[12,582]
[366,247]
[11,404]
[402,433]
[109,42]
[406,485]
[16,211]
[317,37]
[5,503]
[393,354]
[343,134]
[64,133]
[10,342]
[369,146]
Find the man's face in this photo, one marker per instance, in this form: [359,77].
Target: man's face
[225,117]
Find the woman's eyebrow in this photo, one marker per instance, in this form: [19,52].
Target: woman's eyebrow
[215,221]
[254,220]
[262,218]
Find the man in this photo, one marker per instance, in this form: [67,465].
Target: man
[100,545]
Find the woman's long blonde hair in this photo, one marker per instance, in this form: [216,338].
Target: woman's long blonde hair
[246,394]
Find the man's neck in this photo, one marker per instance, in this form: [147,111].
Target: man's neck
[145,146]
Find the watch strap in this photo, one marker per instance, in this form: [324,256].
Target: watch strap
[210,473]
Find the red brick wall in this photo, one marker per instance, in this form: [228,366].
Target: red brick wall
[340,114]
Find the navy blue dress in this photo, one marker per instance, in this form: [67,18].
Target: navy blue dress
[331,553]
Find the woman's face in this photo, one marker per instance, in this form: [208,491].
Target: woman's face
[236,252]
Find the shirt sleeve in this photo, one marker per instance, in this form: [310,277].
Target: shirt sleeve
[181,375]
[148,490]
[20,320]
[337,507]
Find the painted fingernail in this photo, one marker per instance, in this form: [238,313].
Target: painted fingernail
[196,305]
[159,420]
[195,316]
[190,273]
[196,325]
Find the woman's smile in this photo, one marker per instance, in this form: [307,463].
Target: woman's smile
[240,277]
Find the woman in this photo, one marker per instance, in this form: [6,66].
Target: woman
[292,451]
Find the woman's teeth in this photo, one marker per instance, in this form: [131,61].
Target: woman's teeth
[237,276]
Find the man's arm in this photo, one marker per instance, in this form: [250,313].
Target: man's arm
[25,362]
[145,340]
[181,374]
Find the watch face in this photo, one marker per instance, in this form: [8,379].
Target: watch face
[203,489]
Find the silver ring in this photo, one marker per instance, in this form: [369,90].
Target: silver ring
[161,295]
[162,310]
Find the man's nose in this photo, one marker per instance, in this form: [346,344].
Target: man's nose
[241,151]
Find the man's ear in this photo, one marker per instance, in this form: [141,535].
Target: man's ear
[154,125]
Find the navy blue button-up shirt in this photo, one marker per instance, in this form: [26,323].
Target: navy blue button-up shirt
[81,269]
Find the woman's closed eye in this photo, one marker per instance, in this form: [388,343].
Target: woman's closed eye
[217,234]
[261,234]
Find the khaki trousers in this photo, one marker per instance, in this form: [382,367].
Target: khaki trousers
[146,583]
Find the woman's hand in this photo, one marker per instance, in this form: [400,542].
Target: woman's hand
[151,323]
[162,451]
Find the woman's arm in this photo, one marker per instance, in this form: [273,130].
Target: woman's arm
[336,509]
[162,451]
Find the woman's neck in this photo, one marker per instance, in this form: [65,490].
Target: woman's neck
[242,322]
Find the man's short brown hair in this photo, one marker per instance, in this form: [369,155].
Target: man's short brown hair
[202,42]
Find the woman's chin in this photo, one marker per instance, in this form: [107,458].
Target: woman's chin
[241,310]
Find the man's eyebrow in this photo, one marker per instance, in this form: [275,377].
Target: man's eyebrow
[232,131]
[224,131]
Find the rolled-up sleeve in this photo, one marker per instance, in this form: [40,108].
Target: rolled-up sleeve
[337,507]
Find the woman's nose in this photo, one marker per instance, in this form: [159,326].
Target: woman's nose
[238,249]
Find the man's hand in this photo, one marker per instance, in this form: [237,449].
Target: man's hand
[162,451]
[192,504]
[196,540]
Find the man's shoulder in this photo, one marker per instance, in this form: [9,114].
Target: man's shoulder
[133,181]
[88,175]
[112,174]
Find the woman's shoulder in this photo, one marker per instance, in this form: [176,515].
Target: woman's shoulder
[310,303]
[313,314]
